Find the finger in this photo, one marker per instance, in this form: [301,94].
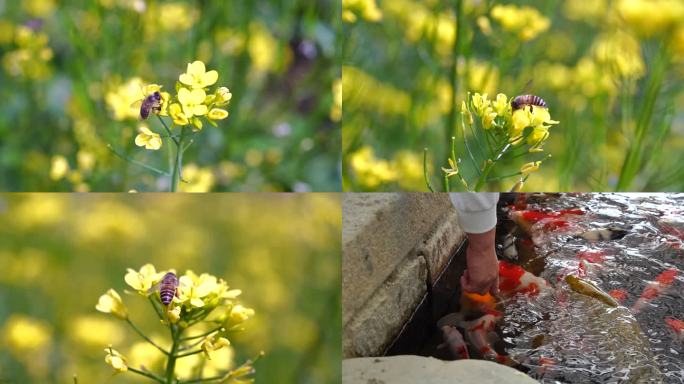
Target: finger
[464,281]
[494,290]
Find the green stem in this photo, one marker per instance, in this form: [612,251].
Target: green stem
[136,162]
[488,168]
[178,163]
[146,374]
[446,184]
[425,171]
[168,130]
[457,51]
[189,353]
[156,308]
[145,337]
[633,162]
[201,335]
[171,361]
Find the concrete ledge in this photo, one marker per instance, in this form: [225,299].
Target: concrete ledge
[394,244]
[418,369]
[370,332]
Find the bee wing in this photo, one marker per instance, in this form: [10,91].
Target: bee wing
[154,288]
[137,104]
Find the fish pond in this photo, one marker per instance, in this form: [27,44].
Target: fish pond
[611,309]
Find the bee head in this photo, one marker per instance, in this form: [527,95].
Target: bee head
[156,95]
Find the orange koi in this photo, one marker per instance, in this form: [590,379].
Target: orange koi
[677,327]
[656,288]
[514,279]
[620,295]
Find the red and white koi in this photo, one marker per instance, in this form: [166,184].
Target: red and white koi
[454,341]
[479,333]
[514,279]
[656,288]
[677,327]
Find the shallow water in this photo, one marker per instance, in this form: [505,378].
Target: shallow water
[586,340]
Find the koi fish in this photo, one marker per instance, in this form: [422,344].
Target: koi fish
[551,220]
[620,295]
[454,341]
[480,334]
[613,232]
[473,301]
[677,327]
[514,279]
[588,289]
[508,248]
[656,288]
[589,261]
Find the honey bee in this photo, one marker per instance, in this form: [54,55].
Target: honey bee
[522,101]
[168,287]
[151,103]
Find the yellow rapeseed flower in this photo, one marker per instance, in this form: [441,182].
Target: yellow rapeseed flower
[111,302]
[194,289]
[525,21]
[214,344]
[59,168]
[144,279]
[23,334]
[651,17]
[501,105]
[222,96]
[481,103]
[192,102]
[217,114]
[620,52]
[530,167]
[148,139]
[176,113]
[366,9]
[198,179]
[197,77]
[535,117]
[115,360]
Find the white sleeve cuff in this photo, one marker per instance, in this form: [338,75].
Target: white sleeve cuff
[476,211]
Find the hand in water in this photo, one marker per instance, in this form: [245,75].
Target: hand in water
[482,273]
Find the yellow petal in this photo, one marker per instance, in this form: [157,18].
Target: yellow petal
[199,110]
[209,78]
[197,96]
[196,68]
[186,79]
[197,302]
[217,114]
[184,95]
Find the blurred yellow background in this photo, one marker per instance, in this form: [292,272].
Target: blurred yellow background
[59,253]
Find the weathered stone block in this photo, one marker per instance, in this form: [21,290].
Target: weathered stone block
[379,231]
[418,369]
[375,326]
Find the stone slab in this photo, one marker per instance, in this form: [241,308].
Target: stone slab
[375,326]
[418,369]
[379,231]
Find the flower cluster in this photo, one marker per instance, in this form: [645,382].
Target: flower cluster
[203,303]
[498,116]
[370,172]
[503,133]
[366,9]
[651,17]
[31,57]
[525,21]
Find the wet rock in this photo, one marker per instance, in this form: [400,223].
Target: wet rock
[427,370]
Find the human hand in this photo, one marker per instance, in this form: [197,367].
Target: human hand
[482,273]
